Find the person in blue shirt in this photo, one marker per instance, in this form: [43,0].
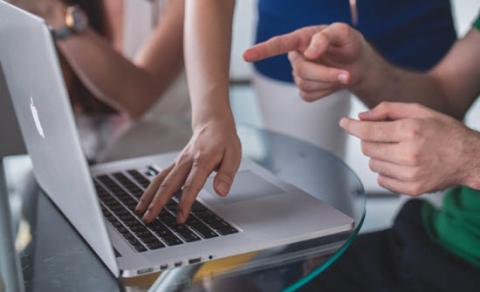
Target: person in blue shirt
[410,33]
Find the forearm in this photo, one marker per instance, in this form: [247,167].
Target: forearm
[207,38]
[385,82]
[130,86]
[469,158]
[109,75]
[450,87]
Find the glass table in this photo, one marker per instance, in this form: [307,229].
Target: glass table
[53,256]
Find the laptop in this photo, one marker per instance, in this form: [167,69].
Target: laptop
[260,212]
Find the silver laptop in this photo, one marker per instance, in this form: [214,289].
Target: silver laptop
[260,212]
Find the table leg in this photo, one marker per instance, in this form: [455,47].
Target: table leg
[10,269]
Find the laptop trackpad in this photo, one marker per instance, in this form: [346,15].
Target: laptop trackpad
[246,186]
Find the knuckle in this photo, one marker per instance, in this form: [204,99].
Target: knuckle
[414,155]
[412,129]
[415,173]
[163,186]
[302,84]
[197,160]
[381,182]
[373,166]
[226,176]
[416,106]
[342,28]
[191,188]
[305,96]
[415,190]
[383,106]
[413,159]
[183,160]
[151,208]
[365,148]
[299,70]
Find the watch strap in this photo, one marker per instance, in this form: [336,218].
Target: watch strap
[61,33]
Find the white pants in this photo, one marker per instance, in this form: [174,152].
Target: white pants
[284,111]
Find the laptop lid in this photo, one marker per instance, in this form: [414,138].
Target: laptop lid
[34,79]
[12,142]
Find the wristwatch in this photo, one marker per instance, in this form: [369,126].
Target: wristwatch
[76,21]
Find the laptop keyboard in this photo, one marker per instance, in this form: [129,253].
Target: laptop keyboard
[119,194]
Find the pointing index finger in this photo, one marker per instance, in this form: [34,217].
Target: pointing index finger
[279,45]
[372,131]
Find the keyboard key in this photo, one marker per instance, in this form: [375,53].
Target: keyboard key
[227,230]
[185,233]
[201,228]
[139,178]
[198,207]
[153,170]
[139,247]
[167,218]
[205,232]
[172,240]
[118,194]
[155,245]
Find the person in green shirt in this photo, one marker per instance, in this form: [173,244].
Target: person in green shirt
[416,142]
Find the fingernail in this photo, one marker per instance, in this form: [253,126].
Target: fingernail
[249,55]
[180,217]
[137,208]
[343,122]
[313,51]
[291,56]
[223,188]
[343,77]
[363,114]
[145,216]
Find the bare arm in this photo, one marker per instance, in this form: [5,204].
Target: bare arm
[451,87]
[328,58]
[208,30]
[214,146]
[127,86]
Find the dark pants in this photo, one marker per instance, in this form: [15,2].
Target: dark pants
[402,258]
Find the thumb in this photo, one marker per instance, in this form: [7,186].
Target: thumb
[317,47]
[225,175]
[394,111]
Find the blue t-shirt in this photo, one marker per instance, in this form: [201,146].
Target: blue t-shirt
[413,34]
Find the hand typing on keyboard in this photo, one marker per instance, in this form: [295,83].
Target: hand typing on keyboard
[213,147]
[119,193]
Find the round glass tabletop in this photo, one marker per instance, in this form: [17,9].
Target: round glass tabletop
[55,259]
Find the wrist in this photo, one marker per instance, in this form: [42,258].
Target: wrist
[212,111]
[225,121]
[470,174]
[373,71]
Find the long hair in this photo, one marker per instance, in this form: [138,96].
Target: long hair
[83,100]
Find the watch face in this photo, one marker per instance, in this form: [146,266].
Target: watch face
[78,20]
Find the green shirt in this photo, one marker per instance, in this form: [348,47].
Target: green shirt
[456,226]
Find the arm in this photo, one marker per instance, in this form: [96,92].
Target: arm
[451,87]
[414,149]
[127,86]
[214,145]
[329,58]
[208,34]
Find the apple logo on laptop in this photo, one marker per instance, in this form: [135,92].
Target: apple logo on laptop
[36,118]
